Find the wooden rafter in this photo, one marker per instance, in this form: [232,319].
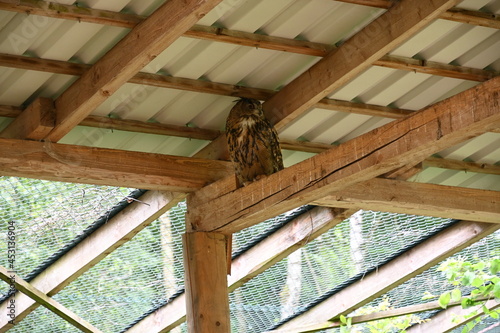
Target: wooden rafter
[401,311]
[41,298]
[386,277]
[93,249]
[80,164]
[397,196]
[434,162]
[451,318]
[263,255]
[357,54]
[403,142]
[72,12]
[134,51]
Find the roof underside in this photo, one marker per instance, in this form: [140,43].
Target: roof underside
[178,102]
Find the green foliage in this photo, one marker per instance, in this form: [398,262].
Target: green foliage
[481,277]
[387,325]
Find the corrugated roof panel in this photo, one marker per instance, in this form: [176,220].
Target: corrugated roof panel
[280,69]
[393,87]
[451,46]
[18,85]
[482,149]
[250,16]
[342,22]
[428,36]
[483,54]
[214,114]
[99,44]
[363,82]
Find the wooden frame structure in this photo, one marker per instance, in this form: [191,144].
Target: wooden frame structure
[339,180]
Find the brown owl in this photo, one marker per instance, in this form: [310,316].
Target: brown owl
[253,142]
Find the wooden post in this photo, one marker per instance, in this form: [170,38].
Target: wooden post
[207,301]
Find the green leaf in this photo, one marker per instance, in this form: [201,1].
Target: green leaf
[496,291]
[444,300]
[467,303]
[477,282]
[467,278]
[343,319]
[494,314]
[495,266]
[456,295]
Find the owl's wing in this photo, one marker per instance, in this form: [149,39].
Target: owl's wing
[269,151]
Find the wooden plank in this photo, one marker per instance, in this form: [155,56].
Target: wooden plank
[34,123]
[124,60]
[436,162]
[489,20]
[358,53]
[386,277]
[15,280]
[207,300]
[258,40]
[451,318]
[71,12]
[163,81]
[385,195]
[402,311]
[90,165]
[117,231]
[223,208]
[435,68]
[263,255]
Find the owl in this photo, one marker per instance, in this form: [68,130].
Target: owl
[252,141]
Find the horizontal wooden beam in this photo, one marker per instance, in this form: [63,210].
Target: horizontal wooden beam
[489,20]
[435,162]
[201,86]
[35,294]
[263,255]
[117,231]
[406,141]
[451,318]
[397,312]
[90,165]
[435,68]
[386,277]
[395,196]
[124,20]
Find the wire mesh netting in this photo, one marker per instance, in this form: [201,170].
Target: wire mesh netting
[147,272]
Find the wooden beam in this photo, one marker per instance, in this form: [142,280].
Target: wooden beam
[201,86]
[435,162]
[435,68]
[34,123]
[357,54]
[84,14]
[395,196]
[263,255]
[124,60]
[117,231]
[35,294]
[402,311]
[207,300]
[258,40]
[90,165]
[489,20]
[402,142]
[386,277]
[451,318]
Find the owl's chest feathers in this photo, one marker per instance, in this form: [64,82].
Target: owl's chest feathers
[247,126]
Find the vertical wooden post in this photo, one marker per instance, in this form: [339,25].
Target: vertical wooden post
[205,265]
